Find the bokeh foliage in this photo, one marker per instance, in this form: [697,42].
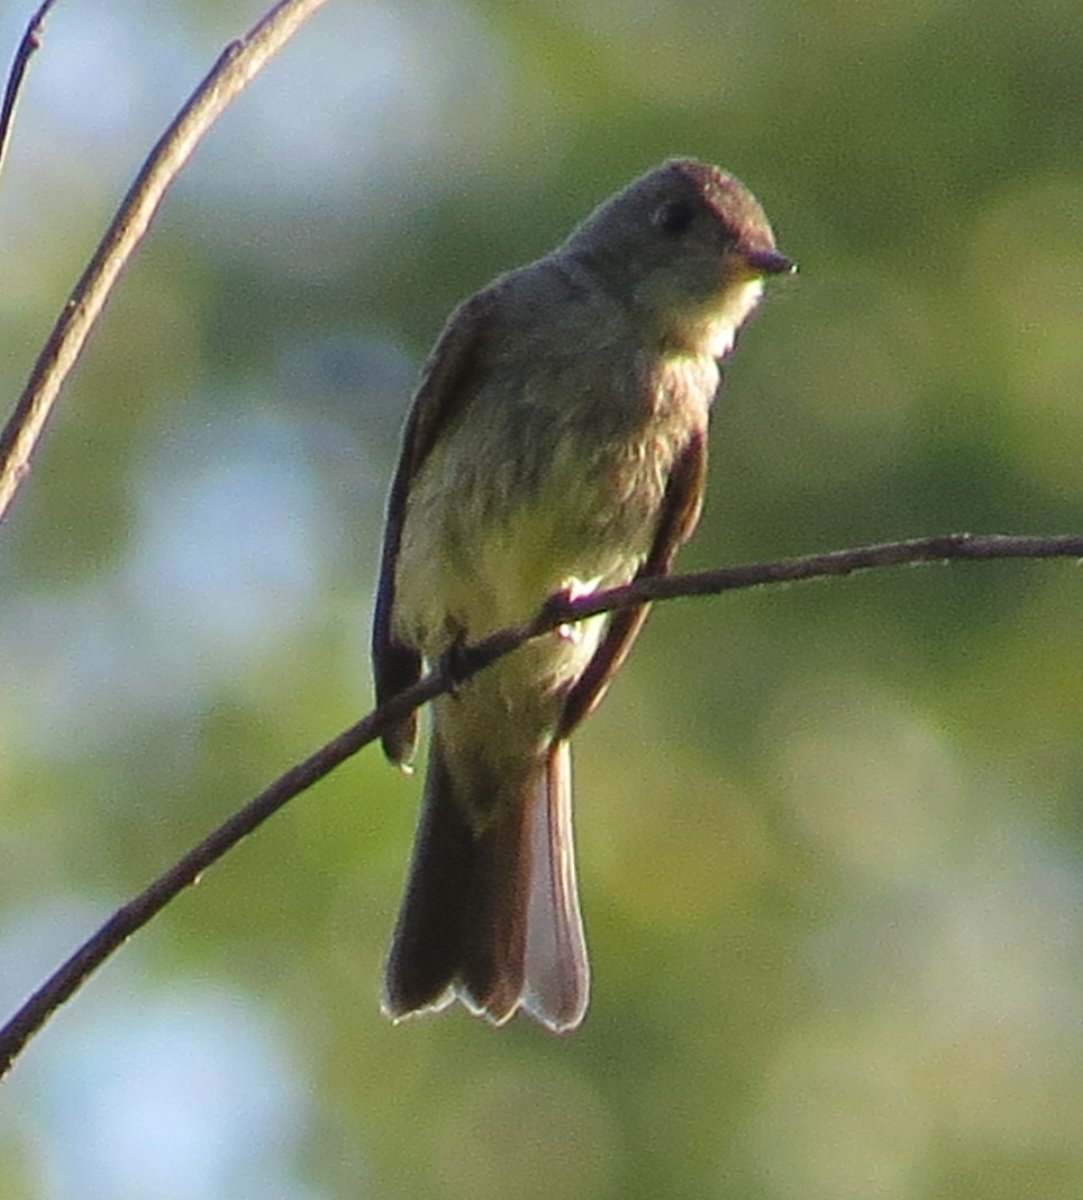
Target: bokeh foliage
[830,842]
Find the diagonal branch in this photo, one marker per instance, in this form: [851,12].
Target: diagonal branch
[557,611]
[31,40]
[236,67]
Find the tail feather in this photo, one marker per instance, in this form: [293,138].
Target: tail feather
[489,979]
[557,973]
[426,944]
[493,917]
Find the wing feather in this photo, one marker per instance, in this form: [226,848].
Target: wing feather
[444,388]
[677,518]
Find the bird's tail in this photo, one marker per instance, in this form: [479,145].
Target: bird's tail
[493,918]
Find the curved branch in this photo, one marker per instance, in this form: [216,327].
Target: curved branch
[236,67]
[30,42]
[557,611]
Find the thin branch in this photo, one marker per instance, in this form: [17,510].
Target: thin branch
[948,547]
[236,67]
[142,908]
[31,40]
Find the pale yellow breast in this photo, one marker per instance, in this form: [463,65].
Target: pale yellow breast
[487,539]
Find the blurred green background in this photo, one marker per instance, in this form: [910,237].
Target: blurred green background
[830,836]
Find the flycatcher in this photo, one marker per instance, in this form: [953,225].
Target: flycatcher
[556,444]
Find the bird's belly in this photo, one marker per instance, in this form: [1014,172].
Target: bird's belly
[480,552]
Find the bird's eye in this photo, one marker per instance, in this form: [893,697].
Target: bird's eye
[673,217]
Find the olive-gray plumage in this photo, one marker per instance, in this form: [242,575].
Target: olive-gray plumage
[557,443]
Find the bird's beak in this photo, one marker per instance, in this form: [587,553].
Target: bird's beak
[767,262]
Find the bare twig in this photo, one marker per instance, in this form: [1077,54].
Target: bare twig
[235,68]
[142,908]
[31,40]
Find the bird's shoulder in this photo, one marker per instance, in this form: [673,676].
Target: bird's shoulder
[554,297]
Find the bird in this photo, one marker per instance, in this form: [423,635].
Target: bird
[556,445]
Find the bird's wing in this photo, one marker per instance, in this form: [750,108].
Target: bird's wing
[443,390]
[677,518]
